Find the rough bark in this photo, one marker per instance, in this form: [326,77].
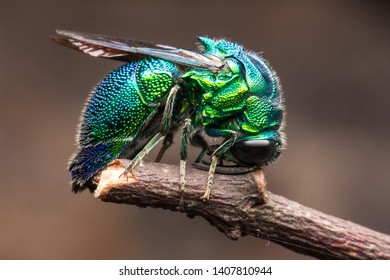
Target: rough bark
[240,205]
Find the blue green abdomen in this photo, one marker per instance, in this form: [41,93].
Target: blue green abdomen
[121,106]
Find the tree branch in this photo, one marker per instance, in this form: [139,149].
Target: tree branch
[240,205]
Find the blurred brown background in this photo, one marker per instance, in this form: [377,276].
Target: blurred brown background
[332,58]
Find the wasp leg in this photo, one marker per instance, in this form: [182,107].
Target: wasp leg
[168,141]
[166,127]
[186,133]
[151,144]
[166,123]
[198,141]
[210,178]
[214,160]
[234,169]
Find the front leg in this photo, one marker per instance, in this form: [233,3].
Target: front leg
[222,149]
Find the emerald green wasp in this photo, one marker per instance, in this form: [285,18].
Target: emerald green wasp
[220,91]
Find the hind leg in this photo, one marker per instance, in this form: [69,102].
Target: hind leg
[151,144]
[166,128]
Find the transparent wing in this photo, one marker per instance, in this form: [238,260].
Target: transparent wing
[128,50]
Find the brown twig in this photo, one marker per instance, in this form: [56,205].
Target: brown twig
[240,205]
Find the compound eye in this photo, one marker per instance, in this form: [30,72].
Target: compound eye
[253,152]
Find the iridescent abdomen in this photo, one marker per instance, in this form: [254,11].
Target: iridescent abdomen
[117,110]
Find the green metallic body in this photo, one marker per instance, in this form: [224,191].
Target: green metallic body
[136,105]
